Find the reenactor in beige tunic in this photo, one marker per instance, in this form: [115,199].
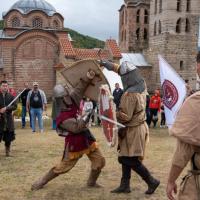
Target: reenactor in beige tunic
[187,131]
[132,139]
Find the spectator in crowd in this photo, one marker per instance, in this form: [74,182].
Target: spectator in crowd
[23,98]
[154,106]
[82,105]
[188,88]
[88,106]
[197,83]
[162,121]
[117,93]
[53,114]
[7,133]
[94,116]
[147,109]
[12,91]
[36,104]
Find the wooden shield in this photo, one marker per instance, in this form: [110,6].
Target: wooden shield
[107,108]
[76,71]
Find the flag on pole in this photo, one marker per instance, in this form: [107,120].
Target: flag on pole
[174,90]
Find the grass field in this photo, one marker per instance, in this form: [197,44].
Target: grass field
[34,154]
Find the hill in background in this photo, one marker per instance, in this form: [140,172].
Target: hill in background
[79,40]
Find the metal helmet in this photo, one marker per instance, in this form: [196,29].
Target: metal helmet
[59,91]
[126,67]
[131,78]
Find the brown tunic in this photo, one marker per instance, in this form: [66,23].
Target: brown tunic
[182,156]
[132,114]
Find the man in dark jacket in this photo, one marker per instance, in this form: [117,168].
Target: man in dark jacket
[117,93]
[23,99]
[6,119]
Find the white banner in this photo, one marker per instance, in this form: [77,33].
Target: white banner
[174,90]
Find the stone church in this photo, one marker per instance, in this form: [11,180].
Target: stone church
[166,27]
[34,45]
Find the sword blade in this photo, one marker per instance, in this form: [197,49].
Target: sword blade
[16,98]
[112,121]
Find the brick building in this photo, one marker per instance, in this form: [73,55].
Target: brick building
[166,27]
[34,45]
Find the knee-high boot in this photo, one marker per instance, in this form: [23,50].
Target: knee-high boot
[44,180]
[125,181]
[147,177]
[94,174]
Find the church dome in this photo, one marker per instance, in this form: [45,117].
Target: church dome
[131,1]
[26,6]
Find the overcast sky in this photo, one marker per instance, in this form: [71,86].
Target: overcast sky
[96,18]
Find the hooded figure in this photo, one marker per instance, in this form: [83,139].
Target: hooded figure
[78,138]
[132,139]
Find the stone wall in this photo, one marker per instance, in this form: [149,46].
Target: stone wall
[179,49]
[129,24]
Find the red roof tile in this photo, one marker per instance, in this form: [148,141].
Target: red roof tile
[113,47]
[91,53]
[66,46]
[59,66]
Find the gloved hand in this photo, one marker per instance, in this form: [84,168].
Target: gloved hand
[87,116]
[90,74]
[107,64]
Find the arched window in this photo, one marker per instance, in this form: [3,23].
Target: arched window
[125,17]
[188,5]
[155,9]
[159,27]
[145,34]
[122,18]
[37,23]
[55,24]
[122,36]
[138,16]
[187,25]
[15,22]
[155,26]
[138,34]
[125,35]
[178,8]
[160,6]
[146,17]
[178,25]
[181,65]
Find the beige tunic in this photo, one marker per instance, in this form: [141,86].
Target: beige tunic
[132,114]
[187,125]
[182,156]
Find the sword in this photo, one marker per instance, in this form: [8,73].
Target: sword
[16,98]
[112,121]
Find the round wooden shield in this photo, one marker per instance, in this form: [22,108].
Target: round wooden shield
[74,73]
[107,110]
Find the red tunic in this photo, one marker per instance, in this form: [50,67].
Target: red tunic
[78,142]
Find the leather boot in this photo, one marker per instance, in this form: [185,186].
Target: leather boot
[152,184]
[44,180]
[94,174]
[140,169]
[124,186]
[7,150]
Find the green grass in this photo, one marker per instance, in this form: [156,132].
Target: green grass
[34,154]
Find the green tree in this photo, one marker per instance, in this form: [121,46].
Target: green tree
[84,41]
